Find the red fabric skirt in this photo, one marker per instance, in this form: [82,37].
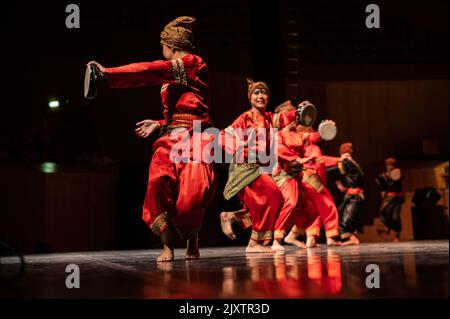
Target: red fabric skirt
[285,220]
[317,208]
[263,200]
[176,191]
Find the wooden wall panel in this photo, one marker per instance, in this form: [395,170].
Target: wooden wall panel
[378,116]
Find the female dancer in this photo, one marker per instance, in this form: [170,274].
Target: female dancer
[249,135]
[177,191]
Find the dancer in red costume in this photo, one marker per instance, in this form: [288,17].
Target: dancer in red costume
[256,189]
[287,175]
[177,192]
[318,206]
[315,198]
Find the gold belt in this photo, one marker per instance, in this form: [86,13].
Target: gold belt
[186,119]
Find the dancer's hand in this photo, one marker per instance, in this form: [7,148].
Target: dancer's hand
[346,156]
[100,67]
[304,160]
[328,121]
[340,186]
[303,104]
[146,127]
[291,126]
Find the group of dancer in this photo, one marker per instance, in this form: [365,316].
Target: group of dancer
[279,202]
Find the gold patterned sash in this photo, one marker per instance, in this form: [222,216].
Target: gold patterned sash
[314,181]
[239,176]
[281,178]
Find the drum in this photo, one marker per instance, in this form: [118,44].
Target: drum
[396,174]
[327,130]
[92,78]
[307,114]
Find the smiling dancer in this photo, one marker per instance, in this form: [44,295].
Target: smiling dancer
[248,179]
[177,192]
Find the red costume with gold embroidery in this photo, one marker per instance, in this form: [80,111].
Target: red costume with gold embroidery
[291,145]
[317,205]
[256,189]
[177,190]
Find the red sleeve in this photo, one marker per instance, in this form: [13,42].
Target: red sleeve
[311,138]
[330,161]
[188,71]
[229,138]
[140,74]
[286,118]
[285,153]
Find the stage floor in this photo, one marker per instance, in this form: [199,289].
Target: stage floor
[408,269]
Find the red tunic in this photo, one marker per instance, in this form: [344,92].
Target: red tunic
[184,82]
[232,137]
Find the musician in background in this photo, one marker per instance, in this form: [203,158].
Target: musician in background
[390,185]
[350,179]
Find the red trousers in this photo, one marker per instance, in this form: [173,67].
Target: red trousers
[263,200]
[179,191]
[285,220]
[317,208]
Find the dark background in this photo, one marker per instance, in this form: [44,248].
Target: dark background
[386,88]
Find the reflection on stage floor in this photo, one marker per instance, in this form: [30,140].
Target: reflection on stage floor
[407,270]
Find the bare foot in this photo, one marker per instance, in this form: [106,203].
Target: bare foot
[311,242]
[333,242]
[353,240]
[254,247]
[167,254]
[396,240]
[292,240]
[192,251]
[276,246]
[226,221]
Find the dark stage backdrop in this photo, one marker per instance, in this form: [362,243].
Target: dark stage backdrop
[386,88]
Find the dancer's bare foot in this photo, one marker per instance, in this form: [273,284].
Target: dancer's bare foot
[396,240]
[276,246]
[254,247]
[333,242]
[167,254]
[353,240]
[192,250]
[291,239]
[226,221]
[311,241]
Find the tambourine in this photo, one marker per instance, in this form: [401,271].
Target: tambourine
[92,78]
[307,114]
[327,130]
[396,174]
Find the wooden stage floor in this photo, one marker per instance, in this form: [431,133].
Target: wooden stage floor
[416,269]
